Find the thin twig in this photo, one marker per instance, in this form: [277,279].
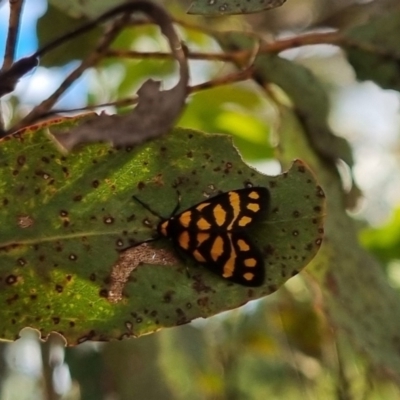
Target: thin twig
[88,62]
[213,83]
[233,56]
[164,55]
[12,34]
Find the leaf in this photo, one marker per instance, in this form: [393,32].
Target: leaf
[85,8]
[356,294]
[373,49]
[65,217]
[384,241]
[235,110]
[55,23]
[229,7]
[309,99]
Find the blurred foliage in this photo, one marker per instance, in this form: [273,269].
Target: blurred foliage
[384,241]
[284,346]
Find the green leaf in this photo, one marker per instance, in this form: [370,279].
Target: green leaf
[55,23]
[373,49]
[65,217]
[310,102]
[234,110]
[87,8]
[355,290]
[384,242]
[228,7]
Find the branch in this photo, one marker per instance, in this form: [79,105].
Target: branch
[12,34]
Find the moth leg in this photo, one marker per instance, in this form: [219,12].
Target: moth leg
[178,204]
[131,246]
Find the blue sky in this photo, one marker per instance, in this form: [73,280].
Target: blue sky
[27,42]
[41,82]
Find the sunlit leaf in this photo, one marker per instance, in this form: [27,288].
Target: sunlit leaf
[65,217]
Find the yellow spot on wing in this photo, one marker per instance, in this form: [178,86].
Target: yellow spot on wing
[219,215]
[217,248]
[229,266]
[248,276]
[234,201]
[203,225]
[201,206]
[254,195]
[184,239]
[250,262]
[185,218]
[198,256]
[243,246]
[163,228]
[202,237]
[244,221]
[253,207]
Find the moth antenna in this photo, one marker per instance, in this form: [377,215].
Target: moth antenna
[146,206]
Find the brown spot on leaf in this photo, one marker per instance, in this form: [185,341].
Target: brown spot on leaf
[182,319]
[11,279]
[146,222]
[301,169]
[320,192]
[5,201]
[25,221]
[272,184]
[95,183]
[108,220]
[73,257]
[168,296]
[21,160]
[21,261]
[78,197]
[295,233]
[141,185]
[296,214]
[103,293]
[63,213]
[11,300]
[129,326]
[56,320]
[59,288]
[272,288]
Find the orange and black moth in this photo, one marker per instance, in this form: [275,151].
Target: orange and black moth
[213,233]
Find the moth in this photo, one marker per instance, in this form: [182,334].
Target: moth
[213,233]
